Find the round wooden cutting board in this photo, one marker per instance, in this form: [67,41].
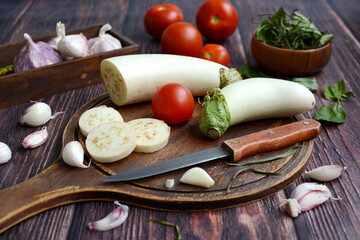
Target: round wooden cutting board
[61,184]
[186,138]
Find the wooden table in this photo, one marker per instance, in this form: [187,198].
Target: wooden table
[337,144]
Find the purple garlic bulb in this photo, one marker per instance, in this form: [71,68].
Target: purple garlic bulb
[35,55]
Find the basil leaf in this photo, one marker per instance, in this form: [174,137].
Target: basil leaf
[331,113]
[309,82]
[248,71]
[337,92]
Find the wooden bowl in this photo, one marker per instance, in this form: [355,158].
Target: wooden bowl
[287,62]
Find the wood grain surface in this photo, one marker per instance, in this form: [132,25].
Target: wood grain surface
[337,143]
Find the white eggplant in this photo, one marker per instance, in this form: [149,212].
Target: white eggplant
[252,99]
[135,78]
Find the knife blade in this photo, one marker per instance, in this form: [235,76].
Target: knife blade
[236,149]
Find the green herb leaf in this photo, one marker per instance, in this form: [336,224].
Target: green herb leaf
[309,82]
[242,170]
[6,70]
[337,92]
[331,113]
[170,225]
[283,155]
[248,71]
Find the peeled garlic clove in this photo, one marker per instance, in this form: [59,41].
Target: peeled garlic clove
[35,139]
[36,115]
[35,55]
[5,153]
[169,183]
[112,220]
[104,42]
[198,177]
[73,154]
[326,173]
[291,206]
[73,46]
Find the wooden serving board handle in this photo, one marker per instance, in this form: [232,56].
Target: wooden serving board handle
[272,139]
[58,185]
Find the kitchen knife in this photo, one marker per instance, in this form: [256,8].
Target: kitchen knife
[236,149]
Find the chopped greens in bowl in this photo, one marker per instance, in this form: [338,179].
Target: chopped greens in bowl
[294,31]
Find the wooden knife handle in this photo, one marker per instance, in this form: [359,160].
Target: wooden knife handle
[272,139]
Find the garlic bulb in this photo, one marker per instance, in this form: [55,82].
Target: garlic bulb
[104,42]
[36,115]
[73,154]
[60,31]
[73,46]
[5,153]
[35,55]
[112,220]
[35,139]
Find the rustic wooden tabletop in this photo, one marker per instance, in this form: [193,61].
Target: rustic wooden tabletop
[337,143]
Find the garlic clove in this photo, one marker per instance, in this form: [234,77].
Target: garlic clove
[35,139]
[104,42]
[112,220]
[198,177]
[5,153]
[36,115]
[73,46]
[326,173]
[60,30]
[73,154]
[307,196]
[169,183]
[291,206]
[35,55]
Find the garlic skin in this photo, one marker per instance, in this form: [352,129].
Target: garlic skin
[36,115]
[112,220]
[5,153]
[60,30]
[326,173]
[73,46]
[306,196]
[104,42]
[35,139]
[35,55]
[73,154]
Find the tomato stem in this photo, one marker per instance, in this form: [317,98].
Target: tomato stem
[209,55]
[215,19]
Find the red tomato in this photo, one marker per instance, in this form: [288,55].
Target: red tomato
[216,53]
[158,18]
[217,19]
[173,103]
[181,39]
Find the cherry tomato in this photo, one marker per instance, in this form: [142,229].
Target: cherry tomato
[216,53]
[181,39]
[216,19]
[173,103]
[158,18]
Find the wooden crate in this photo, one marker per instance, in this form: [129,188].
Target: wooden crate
[21,87]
